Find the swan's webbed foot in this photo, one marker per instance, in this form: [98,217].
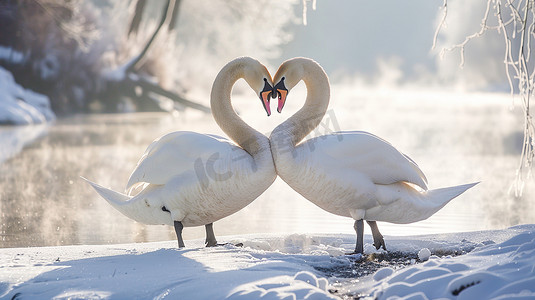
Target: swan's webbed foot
[178,231]
[211,240]
[378,240]
[359,229]
[210,236]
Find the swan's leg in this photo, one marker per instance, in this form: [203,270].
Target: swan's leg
[359,228]
[210,236]
[378,240]
[178,230]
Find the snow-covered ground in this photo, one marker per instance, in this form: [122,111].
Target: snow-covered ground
[19,106]
[500,265]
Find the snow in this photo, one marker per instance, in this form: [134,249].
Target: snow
[504,270]
[115,74]
[20,106]
[424,254]
[500,265]
[11,56]
[304,285]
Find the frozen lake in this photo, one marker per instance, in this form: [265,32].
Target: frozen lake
[455,138]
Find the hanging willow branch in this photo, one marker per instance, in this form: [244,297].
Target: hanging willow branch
[516,22]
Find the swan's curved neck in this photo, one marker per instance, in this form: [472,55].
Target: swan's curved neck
[299,125]
[225,116]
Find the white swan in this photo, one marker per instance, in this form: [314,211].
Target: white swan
[190,179]
[352,174]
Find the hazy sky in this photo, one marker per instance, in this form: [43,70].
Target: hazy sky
[351,37]
[385,41]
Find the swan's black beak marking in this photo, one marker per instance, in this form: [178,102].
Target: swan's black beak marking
[265,96]
[282,92]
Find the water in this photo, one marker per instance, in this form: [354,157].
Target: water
[455,138]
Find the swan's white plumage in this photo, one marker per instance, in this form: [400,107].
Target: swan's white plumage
[357,175]
[405,205]
[177,152]
[365,153]
[354,174]
[197,179]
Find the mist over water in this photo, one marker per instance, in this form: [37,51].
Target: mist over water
[454,138]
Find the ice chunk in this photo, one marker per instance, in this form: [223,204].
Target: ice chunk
[424,254]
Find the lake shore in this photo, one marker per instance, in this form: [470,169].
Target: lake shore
[497,263]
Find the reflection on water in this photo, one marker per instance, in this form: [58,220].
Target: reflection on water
[454,138]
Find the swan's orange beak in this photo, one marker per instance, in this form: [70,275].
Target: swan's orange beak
[265,94]
[282,92]
[282,99]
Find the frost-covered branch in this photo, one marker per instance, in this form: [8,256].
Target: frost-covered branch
[305,10]
[441,23]
[516,22]
[76,29]
[461,46]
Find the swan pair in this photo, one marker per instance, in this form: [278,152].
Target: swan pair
[190,179]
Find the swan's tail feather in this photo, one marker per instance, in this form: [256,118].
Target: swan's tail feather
[408,205]
[445,195]
[432,201]
[135,208]
[113,197]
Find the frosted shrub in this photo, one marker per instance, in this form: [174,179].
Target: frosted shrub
[70,48]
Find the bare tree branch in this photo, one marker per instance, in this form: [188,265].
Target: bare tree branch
[136,19]
[441,23]
[149,87]
[174,19]
[164,18]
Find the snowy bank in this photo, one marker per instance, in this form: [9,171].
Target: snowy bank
[19,106]
[14,138]
[501,265]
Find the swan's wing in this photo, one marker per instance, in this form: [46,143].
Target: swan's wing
[365,153]
[182,151]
